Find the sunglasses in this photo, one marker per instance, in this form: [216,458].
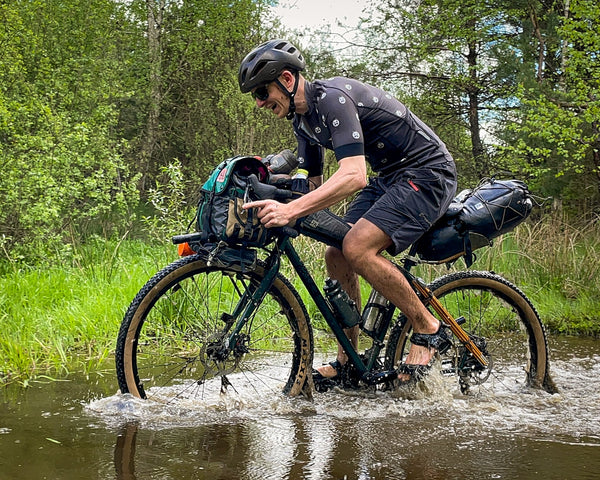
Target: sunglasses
[261,93]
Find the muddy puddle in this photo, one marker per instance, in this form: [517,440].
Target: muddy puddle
[82,428]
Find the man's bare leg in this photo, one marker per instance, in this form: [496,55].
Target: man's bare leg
[362,247]
[339,269]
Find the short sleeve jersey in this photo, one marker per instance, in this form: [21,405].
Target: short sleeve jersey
[352,118]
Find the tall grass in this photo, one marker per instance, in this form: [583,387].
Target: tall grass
[559,266]
[556,264]
[58,319]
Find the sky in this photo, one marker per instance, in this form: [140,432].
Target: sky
[296,14]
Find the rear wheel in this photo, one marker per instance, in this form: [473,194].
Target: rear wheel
[172,342]
[503,323]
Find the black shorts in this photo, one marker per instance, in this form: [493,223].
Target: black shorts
[407,204]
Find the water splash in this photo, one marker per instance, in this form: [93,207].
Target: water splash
[572,415]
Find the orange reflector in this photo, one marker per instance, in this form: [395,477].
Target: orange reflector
[184,249]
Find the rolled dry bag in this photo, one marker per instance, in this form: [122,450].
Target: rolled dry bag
[473,219]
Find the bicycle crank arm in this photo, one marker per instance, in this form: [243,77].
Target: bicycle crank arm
[380,377]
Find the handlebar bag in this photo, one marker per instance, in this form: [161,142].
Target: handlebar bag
[493,208]
[220,216]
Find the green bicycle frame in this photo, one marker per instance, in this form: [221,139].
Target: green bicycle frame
[249,302]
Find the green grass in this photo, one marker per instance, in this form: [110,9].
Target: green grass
[57,319]
[66,318]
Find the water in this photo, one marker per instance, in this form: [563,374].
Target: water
[81,428]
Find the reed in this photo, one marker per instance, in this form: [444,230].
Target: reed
[559,265]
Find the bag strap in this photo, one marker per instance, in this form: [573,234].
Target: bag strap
[468,250]
[205,214]
[248,227]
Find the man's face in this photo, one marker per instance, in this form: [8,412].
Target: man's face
[272,98]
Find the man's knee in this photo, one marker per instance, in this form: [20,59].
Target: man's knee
[354,253]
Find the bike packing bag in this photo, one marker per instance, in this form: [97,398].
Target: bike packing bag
[220,215]
[325,227]
[493,208]
[236,258]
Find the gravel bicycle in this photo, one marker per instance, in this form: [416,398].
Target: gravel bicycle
[226,319]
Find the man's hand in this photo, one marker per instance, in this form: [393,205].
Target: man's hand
[272,213]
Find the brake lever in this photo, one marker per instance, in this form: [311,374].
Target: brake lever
[264,191]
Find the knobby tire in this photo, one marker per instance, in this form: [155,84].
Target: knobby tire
[170,344]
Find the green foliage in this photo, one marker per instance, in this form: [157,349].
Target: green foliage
[453,64]
[91,113]
[172,214]
[76,93]
[558,133]
[62,167]
[510,86]
[204,117]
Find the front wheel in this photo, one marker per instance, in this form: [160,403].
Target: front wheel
[173,342]
[503,323]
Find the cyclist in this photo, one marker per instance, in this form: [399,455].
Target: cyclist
[415,182]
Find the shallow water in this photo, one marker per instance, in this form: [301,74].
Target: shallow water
[81,428]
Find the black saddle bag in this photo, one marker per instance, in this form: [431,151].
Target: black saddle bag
[474,219]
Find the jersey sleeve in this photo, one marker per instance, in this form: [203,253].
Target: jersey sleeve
[340,116]
[310,157]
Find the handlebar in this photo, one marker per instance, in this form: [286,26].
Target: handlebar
[265,191]
[323,225]
[186,237]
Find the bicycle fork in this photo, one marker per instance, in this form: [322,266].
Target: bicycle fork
[430,300]
[248,303]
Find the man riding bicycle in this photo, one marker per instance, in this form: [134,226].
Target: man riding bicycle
[415,182]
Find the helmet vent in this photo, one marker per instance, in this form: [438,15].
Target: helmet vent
[259,66]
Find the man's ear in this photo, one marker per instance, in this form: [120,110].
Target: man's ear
[287,78]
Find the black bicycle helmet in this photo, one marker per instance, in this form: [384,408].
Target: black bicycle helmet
[265,63]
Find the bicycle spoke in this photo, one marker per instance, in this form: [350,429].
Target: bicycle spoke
[175,336]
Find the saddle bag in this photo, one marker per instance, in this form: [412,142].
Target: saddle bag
[474,219]
[220,216]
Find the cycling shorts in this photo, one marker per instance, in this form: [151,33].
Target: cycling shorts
[407,204]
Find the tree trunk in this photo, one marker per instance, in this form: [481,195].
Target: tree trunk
[564,51]
[542,45]
[478,150]
[155,9]
[596,151]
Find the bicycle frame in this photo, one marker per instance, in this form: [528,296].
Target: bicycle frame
[247,306]
[284,246]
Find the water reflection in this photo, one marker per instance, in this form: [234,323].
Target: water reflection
[377,436]
[82,428]
[228,452]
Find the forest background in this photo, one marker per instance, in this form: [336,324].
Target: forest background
[113,112]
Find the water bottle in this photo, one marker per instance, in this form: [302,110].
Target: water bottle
[373,313]
[344,308]
[282,162]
